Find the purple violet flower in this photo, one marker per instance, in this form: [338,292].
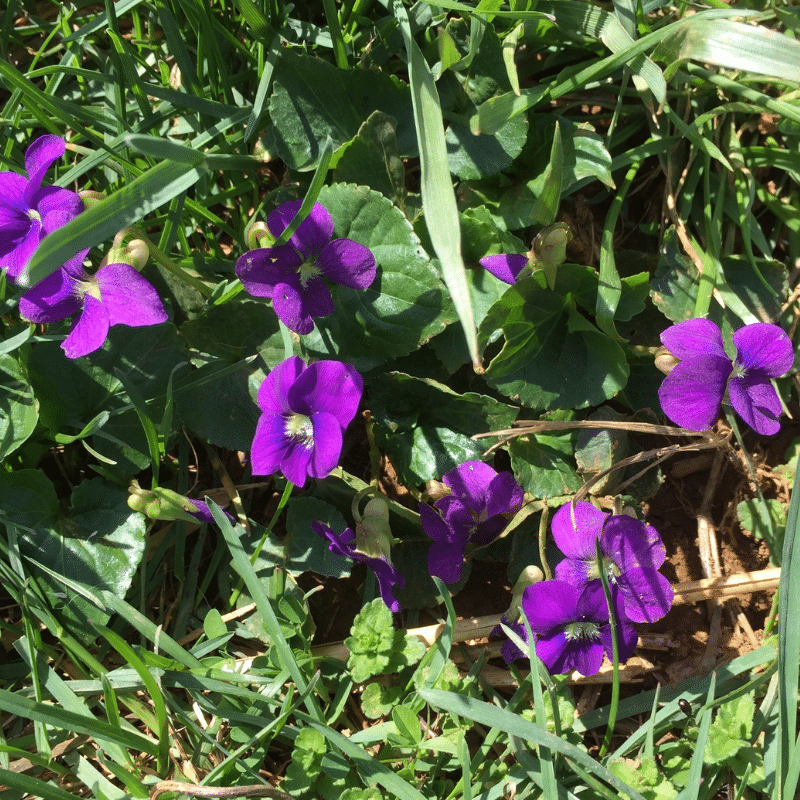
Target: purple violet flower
[632,553]
[509,649]
[506,266]
[28,210]
[115,295]
[304,412]
[692,394]
[571,626]
[343,544]
[291,275]
[479,507]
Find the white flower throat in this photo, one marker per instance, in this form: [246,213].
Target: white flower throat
[300,429]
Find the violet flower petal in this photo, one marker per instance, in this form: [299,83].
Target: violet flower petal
[764,348]
[694,337]
[274,390]
[578,540]
[437,529]
[691,395]
[632,544]
[329,386]
[129,298]
[757,403]
[202,513]
[506,267]
[469,482]
[296,306]
[327,446]
[446,561]
[16,260]
[504,495]
[348,263]
[575,571]
[269,445]
[13,210]
[260,271]
[39,157]
[89,330]
[57,207]
[487,531]
[313,233]
[549,605]
[646,594]
[52,299]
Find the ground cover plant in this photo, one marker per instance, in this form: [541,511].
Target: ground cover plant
[400,399]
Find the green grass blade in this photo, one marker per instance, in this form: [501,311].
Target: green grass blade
[102,222]
[438,198]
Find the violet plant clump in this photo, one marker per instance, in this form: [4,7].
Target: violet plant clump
[291,275]
[304,412]
[479,507]
[28,210]
[632,554]
[115,295]
[693,392]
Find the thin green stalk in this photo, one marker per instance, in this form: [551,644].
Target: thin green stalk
[612,621]
[335,30]
[548,575]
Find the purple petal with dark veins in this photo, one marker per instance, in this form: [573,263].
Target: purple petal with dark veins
[487,531]
[560,655]
[16,260]
[129,298]
[297,305]
[311,236]
[446,561]
[627,638]
[575,571]
[328,386]
[273,393]
[506,267]
[504,495]
[645,593]
[691,395]
[89,330]
[757,403]
[348,263]
[260,271]
[52,299]
[765,348]
[578,540]
[438,530]
[694,337]
[39,157]
[14,218]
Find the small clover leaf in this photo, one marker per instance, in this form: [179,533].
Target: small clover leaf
[377,701]
[376,648]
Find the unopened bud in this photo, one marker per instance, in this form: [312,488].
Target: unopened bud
[259,236]
[665,361]
[90,198]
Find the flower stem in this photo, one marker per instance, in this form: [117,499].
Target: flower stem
[548,575]
[612,621]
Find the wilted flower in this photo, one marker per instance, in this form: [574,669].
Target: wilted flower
[165,504]
[506,266]
[692,394]
[344,544]
[304,412]
[28,210]
[291,274]
[571,627]
[632,553]
[115,295]
[479,507]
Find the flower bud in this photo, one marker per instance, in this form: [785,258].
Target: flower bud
[258,235]
[549,249]
[665,361]
[373,534]
[160,504]
[90,198]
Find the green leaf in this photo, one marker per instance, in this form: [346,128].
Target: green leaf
[426,427]
[376,647]
[101,222]
[304,771]
[377,701]
[408,727]
[547,343]
[472,156]
[18,409]
[73,392]
[97,541]
[730,731]
[306,550]
[545,465]
[372,159]
[214,626]
[406,305]
[312,100]
[596,450]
